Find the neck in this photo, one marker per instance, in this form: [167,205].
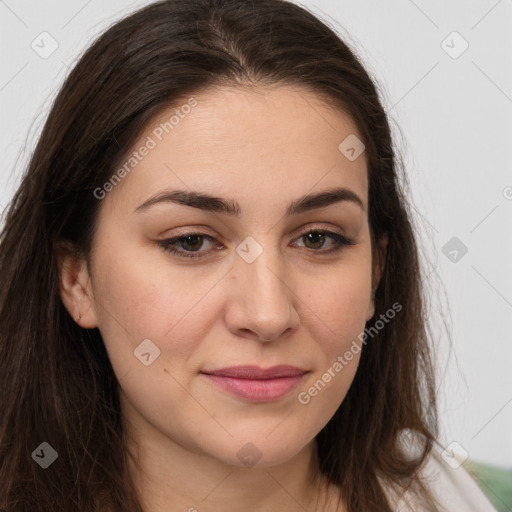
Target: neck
[172,478]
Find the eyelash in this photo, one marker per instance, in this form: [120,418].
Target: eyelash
[167,245]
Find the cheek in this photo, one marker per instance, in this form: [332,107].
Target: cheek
[337,316]
[340,302]
[141,299]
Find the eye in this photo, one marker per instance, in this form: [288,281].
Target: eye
[190,243]
[316,239]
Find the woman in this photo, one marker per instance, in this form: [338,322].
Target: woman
[210,286]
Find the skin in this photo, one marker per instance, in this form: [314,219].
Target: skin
[262,147]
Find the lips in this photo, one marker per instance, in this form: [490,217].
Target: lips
[256,384]
[257,373]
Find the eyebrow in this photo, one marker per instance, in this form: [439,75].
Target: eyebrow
[229,207]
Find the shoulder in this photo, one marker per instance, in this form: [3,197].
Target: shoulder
[451,485]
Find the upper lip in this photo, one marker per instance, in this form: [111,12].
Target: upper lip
[257,373]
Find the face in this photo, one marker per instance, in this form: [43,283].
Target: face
[196,298]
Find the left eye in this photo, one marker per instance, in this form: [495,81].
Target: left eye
[317,240]
[191,243]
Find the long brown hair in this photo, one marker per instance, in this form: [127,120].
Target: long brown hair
[56,381]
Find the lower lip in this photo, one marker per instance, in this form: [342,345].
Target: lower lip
[257,390]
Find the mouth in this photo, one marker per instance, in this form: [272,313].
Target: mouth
[256,384]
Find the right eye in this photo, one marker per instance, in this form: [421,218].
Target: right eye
[189,245]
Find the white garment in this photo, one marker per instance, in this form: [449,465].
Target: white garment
[454,488]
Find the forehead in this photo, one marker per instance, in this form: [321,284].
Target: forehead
[250,143]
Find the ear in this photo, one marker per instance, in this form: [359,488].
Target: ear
[378,261]
[75,287]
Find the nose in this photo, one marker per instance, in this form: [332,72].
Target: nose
[261,301]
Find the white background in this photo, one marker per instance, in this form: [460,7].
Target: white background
[452,119]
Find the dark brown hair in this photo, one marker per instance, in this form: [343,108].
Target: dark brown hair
[56,382]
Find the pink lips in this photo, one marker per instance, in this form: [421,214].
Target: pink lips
[257,384]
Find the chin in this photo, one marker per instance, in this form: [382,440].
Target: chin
[264,451]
